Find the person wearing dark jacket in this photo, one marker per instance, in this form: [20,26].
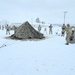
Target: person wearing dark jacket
[63,30]
[50,29]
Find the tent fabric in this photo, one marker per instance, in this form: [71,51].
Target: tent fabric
[26,31]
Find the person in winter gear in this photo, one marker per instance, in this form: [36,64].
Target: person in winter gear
[7,29]
[15,28]
[68,33]
[39,28]
[63,30]
[50,29]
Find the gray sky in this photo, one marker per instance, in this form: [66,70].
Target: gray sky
[50,11]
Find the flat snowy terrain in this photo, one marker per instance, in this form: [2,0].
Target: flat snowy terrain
[49,56]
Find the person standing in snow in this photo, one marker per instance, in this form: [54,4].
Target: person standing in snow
[15,29]
[63,30]
[7,29]
[68,33]
[39,28]
[50,29]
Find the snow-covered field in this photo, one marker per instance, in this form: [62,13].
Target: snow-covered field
[49,56]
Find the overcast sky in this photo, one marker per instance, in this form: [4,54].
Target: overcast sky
[50,11]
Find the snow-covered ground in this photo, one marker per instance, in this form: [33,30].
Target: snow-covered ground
[49,56]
